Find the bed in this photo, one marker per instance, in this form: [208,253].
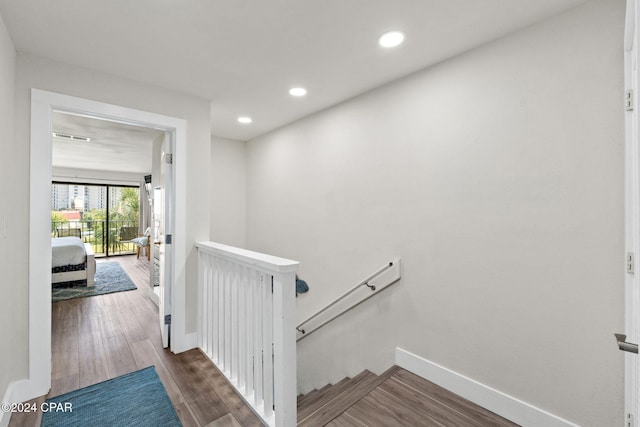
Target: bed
[72,260]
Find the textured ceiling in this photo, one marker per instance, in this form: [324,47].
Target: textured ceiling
[244,55]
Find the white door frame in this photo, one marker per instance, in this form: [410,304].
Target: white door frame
[632,217]
[166,250]
[43,104]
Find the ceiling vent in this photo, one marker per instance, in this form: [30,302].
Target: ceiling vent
[72,137]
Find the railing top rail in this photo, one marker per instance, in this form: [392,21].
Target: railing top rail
[265,262]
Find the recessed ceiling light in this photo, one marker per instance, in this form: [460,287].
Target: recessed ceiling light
[391,39]
[245,120]
[297,91]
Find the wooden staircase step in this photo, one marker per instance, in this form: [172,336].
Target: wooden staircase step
[364,376]
[309,406]
[395,398]
[345,420]
[359,387]
[409,406]
[312,396]
[306,395]
[433,392]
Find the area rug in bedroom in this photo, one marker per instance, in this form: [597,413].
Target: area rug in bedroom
[110,277]
[135,399]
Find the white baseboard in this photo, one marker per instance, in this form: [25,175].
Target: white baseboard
[496,401]
[191,340]
[21,391]
[153,296]
[6,416]
[184,343]
[10,396]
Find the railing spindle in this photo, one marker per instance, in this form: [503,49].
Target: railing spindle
[241,328]
[203,274]
[257,341]
[234,323]
[217,306]
[208,304]
[250,334]
[267,344]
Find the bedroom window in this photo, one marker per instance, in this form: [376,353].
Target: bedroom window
[106,216]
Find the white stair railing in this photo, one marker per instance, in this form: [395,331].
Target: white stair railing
[246,326]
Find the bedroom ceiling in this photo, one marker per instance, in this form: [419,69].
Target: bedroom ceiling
[244,55]
[112,146]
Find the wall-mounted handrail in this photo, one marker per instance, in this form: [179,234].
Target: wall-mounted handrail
[364,282]
[373,284]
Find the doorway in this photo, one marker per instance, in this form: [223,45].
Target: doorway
[43,104]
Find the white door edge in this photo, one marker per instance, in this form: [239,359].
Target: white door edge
[632,217]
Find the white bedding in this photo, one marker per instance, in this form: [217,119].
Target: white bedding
[67,251]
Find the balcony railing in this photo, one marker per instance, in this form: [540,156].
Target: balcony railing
[106,237]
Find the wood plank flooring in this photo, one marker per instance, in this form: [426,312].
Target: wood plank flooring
[395,398]
[98,338]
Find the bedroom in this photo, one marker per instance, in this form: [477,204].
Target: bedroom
[102,198]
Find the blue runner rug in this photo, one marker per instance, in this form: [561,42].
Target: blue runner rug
[110,277]
[136,399]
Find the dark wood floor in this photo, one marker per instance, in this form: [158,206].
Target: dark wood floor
[98,338]
[395,398]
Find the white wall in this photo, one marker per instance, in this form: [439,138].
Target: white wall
[228,192]
[45,74]
[497,177]
[14,296]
